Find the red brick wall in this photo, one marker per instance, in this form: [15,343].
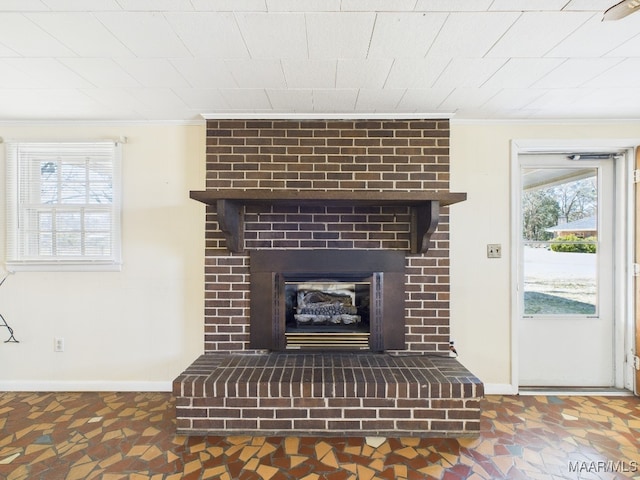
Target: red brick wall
[386,155]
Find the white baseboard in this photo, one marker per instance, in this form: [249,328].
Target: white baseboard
[508,389]
[580,392]
[83,386]
[500,389]
[164,386]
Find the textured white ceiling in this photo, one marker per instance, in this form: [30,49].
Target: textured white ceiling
[174,60]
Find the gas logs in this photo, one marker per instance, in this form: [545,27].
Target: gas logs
[315,307]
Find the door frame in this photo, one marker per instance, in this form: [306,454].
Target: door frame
[624,321]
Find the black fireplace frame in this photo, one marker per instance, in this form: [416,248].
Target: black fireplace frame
[270,269]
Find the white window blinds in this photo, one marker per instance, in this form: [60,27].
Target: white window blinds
[63,203]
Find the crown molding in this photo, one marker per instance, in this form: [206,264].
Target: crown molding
[542,121]
[318,116]
[99,123]
[327,116]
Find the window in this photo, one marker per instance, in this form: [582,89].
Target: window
[560,238]
[63,204]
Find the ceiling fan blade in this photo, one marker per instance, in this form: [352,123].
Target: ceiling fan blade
[621,10]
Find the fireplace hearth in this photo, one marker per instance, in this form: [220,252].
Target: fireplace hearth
[337,393]
[359,301]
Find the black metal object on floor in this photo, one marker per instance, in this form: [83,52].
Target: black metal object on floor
[12,338]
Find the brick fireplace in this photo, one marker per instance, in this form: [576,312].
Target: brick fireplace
[326,188]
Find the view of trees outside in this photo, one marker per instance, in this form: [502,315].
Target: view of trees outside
[74,208]
[560,264]
[547,207]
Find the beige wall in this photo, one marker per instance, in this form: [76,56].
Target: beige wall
[480,287]
[133,329]
[139,328]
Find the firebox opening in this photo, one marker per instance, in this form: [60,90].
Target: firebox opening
[340,282]
[327,313]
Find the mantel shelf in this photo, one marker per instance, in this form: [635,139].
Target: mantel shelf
[425,207]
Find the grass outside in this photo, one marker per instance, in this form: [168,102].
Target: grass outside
[536,303]
[559,283]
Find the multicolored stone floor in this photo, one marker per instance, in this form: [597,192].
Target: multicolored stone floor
[111,436]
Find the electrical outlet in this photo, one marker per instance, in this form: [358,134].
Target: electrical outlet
[494,250]
[58,344]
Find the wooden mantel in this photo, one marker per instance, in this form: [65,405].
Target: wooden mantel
[425,207]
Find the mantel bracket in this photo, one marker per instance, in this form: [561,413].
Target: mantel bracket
[424,221]
[231,222]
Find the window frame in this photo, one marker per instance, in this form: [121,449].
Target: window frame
[20,198]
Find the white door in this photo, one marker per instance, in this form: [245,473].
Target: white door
[566,276]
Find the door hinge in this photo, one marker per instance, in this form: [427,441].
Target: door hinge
[636,269]
[636,176]
[636,362]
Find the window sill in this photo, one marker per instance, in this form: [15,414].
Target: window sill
[63,266]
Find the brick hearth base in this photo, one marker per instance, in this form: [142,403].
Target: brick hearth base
[327,394]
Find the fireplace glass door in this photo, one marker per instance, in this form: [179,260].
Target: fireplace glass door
[327,300]
[327,314]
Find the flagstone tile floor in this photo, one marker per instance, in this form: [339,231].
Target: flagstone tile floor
[111,436]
